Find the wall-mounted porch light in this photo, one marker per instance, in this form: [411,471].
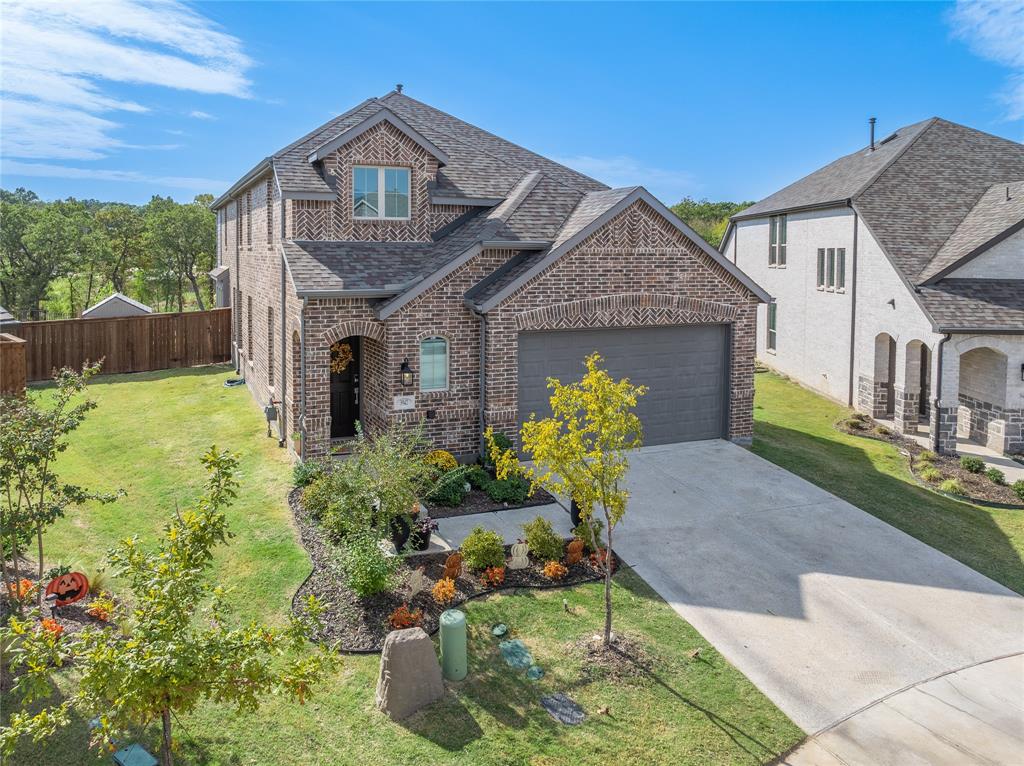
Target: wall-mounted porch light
[405,373]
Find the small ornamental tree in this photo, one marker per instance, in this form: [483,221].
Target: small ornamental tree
[32,436]
[174,646]
[580,451]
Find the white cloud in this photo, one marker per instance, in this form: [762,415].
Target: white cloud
[59,58]
[669,186]
[201,115]
[994,29]
[43,170]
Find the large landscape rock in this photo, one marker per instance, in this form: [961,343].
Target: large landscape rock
[410,675]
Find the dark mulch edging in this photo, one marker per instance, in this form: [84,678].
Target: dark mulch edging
[359,626]
[478,501]
[978,488]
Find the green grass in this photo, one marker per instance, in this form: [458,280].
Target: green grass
[793,428]
[145,437]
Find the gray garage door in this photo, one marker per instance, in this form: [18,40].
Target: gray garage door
[685,369]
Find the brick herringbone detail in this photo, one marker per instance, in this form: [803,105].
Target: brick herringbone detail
[626,310]
[361,327]
[383,144]
[312,219]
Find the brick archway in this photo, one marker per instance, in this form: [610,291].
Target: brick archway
[364,327]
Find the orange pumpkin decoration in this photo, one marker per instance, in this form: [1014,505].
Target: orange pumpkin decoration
[574,552]
[69,588]
[453,566]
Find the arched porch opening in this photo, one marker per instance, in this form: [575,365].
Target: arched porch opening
[883,394]
[981,398]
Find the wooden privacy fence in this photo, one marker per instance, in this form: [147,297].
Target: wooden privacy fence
[12,364]
[127,344]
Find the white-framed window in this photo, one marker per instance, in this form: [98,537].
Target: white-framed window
[777,240]
[380,192]
[840,268]
[830,267]
[821,268]
[772,337]
[433,364]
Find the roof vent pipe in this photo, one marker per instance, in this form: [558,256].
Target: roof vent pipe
[871,121]
[398,88]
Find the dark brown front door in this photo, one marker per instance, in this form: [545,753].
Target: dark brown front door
[344,387]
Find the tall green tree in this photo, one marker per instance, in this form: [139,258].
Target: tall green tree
[125,229]
[186,237]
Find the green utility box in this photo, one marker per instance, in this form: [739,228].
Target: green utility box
[454,663]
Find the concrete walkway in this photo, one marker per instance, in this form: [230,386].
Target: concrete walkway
[1013,470]
[825,608]
[451,532]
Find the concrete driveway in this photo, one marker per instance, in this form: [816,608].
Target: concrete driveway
[827,609]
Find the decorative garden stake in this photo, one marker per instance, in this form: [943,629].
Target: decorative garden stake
[417,582]
[454,663]
[520,556]
[68,588]
[453,566]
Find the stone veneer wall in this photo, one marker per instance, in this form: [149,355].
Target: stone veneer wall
[996,427]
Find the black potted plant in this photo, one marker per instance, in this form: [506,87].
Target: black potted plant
[401,527]
[422,527]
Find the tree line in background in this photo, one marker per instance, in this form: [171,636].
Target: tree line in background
[58,258]
[709,219]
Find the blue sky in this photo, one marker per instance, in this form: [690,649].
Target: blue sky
[120,100]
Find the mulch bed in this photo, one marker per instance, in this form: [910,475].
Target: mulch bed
[478,501]
[360,625]
[978,488]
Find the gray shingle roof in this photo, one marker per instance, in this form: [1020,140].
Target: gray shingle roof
[918,202]
[480,164]
[504,275]
[589,209]
[975,304]
[839,180]
[991,216]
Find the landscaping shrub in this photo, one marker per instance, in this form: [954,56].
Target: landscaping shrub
[513,490]
[478,477]
[589,531]
[926,456]
[996,476]
[319,495]
[931,474]
[854,424]
[953,486]
[543,542]
[555,570]
[449,491]
[972,464]
[444,591]
[882,431]
[483,548]
[858,416]
[502,442]
[1018,489]
[441,459]
[101,607]
[493,576]
[368,570]
[403,618]
[306,472]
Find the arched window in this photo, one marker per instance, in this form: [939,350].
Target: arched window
[433,364]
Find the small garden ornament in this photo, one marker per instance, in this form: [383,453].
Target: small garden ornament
[453,566]
[520,556]
[410,675]
[574,552]
[417,583]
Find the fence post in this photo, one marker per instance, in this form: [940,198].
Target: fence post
[12,364]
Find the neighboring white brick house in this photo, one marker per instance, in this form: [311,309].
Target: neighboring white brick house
[897,274]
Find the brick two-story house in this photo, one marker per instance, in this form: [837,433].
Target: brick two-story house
[400,265]
[897,277]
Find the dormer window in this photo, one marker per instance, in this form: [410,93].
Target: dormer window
[370,184]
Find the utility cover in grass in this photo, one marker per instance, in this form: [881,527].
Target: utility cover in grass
[535,673]
[516,654]
[563,709]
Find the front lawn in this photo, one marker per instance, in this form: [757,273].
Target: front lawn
[793,428]
[146,437]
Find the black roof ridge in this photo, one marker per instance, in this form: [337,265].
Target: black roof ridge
[931,121]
